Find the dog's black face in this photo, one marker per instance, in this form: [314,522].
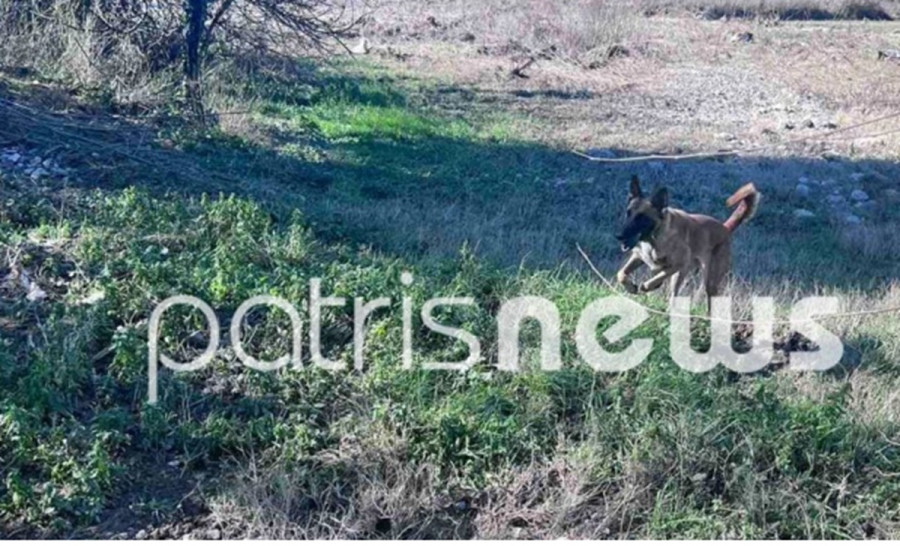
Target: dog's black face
[642,215]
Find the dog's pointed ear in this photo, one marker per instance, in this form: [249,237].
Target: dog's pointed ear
[660,198]
[636,187]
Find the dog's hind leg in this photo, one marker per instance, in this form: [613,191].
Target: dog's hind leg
[676,282]
[717,272]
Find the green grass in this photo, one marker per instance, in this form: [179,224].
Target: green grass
[678,455]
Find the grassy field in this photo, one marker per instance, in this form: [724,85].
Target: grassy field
[425,155]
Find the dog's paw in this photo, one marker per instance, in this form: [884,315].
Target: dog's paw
[644,288]
[629,286]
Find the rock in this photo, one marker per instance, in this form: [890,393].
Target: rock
[35,293]
[360,48]
[802,190]
[803,180]
[889,54]
[831,125]
[789,126]
[214,534]
[836,199]
[809,124]
[468,37]
[859,195]
[616,51]
[38,173]
[867,206]
[47,164]
[12,157]
[857,177]
[745,37]
[853,219]
[141,535]
[802,214]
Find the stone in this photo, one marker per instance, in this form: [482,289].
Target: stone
[35,293]
[361,48]
[615,51]
[802,190]
[853,219]
[803,214]
[38,173]
[836,199]
[859,195]
[141,535]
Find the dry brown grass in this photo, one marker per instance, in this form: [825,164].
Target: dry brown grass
[376,493]
[581,31]
[373,492]
[58,44]
[795,10]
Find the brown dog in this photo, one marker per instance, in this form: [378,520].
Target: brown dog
[673,243]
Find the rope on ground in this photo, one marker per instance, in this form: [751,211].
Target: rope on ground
[657,312]
[738,152]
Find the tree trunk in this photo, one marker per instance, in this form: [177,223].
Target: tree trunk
[195,10]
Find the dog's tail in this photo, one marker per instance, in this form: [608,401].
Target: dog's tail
[747,198]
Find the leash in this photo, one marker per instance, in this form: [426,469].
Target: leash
[613,288]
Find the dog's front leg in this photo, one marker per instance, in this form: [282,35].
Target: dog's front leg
[634,262]
[657,280]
